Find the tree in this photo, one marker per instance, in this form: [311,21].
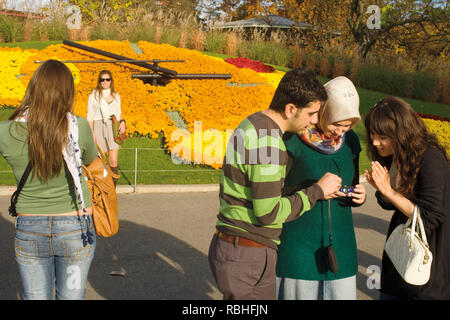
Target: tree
[399,21]
[104,10]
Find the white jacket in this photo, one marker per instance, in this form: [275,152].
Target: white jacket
[93,108]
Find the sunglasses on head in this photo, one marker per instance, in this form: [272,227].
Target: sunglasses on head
[105,79]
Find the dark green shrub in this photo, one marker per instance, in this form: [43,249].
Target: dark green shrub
[382,79]
[424,86]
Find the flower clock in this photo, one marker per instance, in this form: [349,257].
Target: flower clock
[209,109]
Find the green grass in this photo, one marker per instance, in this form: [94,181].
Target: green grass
[30,44]
[155,166]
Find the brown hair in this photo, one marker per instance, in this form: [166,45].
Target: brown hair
[99,88]
[299,87]
[48,98]
[396,119]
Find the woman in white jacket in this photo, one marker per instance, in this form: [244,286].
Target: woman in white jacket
[103,103]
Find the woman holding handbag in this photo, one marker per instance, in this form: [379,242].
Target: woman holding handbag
[317,258]
[410,169]
[55,237]
[104,104]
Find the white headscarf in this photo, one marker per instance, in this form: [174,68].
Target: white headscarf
[342,103]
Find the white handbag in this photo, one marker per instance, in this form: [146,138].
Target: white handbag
[409,251]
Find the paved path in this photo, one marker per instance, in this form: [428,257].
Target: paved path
[162,246]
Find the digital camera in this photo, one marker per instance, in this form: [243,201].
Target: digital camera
[347,190]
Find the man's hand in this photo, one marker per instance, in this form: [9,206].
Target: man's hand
[330,184]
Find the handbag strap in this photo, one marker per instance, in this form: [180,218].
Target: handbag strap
[418,220]
[22,181]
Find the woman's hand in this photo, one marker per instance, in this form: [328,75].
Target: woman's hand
[359,194]
[122,127]
[379,178]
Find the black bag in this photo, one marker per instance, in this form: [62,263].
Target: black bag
[15,195]
[331,255]
[331,258]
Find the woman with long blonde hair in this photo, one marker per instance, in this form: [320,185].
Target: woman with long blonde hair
[103,103]
[55,235]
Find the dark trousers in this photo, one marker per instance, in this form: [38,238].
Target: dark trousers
[243,273]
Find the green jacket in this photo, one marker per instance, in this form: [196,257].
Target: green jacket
[301,254]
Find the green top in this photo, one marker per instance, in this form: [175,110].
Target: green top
[301,254]
[251,205]
[56,195]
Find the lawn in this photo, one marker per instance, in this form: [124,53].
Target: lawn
[155,166]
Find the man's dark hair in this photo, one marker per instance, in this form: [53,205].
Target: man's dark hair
[299,87]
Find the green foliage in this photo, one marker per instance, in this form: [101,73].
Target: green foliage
[11,29]
[419,86]
[105,31]
[111,10]
[267,52]
[383,79]
[423,86]
[170,36]
[215,41]
[137,32]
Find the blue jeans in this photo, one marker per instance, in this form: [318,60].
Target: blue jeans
[50,254]
[296,289]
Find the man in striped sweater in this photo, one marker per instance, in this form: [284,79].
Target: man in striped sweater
[243,251]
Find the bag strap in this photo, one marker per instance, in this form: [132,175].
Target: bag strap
[329,222]
[15,195]
[418,220]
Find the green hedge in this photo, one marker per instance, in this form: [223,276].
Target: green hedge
[419,86]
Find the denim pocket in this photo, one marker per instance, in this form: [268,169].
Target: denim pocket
[26,251]
[74,251]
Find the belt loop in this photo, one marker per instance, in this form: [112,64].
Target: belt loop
[236,241]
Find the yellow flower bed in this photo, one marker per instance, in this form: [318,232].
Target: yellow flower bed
[441,129]
[273,78]
[11,88]
[217,105]
[137,102]
[210,108]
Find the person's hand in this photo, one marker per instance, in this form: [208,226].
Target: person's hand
[359,194]
[368,175]
[122,127]
[109,99]
[380,179]
[330,184]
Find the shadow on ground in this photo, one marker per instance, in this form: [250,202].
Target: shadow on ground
[157,266]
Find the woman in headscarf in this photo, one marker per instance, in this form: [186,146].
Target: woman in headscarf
[304,267]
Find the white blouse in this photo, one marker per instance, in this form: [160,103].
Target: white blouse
[94,107]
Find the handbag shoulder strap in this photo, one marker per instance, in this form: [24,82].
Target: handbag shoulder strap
[417,220]
[15,195]
[24,178]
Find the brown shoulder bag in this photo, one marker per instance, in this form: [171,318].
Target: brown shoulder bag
[105,207]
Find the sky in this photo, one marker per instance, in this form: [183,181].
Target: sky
[20,5]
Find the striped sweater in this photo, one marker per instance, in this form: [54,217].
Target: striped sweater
[253,173]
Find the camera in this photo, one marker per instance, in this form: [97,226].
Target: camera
[347,190]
